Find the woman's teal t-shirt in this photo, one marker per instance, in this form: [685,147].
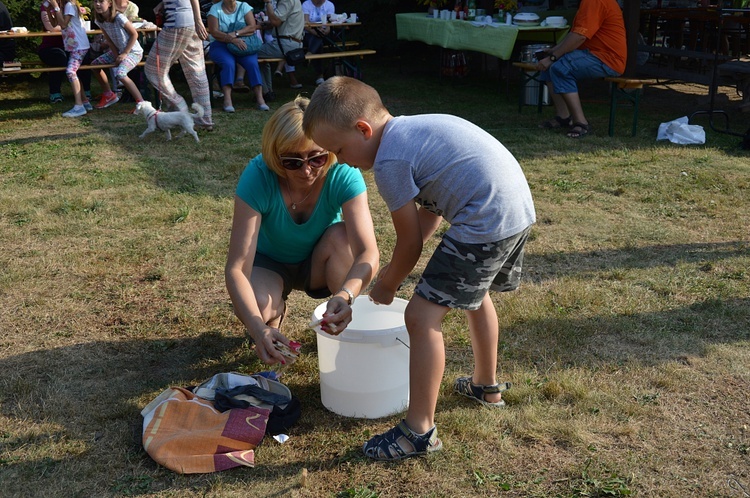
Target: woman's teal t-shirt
[280,237]
[230,22]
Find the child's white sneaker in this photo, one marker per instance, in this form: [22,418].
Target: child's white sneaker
[75,112]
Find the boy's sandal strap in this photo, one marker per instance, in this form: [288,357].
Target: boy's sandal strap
[466,387]
[495,388]
[401,442]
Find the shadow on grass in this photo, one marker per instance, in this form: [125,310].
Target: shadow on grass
[28,111]
[46,138]
[645,338]
[86,387]
[88,391]
[587,265]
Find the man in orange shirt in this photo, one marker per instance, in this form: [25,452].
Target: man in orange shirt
[595,47]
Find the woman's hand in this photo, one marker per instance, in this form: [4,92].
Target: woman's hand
[239,42]
[264,345]
[337,317]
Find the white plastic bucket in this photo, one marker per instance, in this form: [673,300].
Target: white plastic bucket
[364,371]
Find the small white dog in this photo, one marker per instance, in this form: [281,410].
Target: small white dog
[165,120]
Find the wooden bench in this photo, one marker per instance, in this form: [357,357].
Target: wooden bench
[50,69]
[324,55]
[629,90]
[668,63]
[621,89]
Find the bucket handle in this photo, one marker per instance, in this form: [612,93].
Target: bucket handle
[402,342]
[382,342]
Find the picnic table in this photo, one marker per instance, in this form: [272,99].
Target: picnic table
[495,39]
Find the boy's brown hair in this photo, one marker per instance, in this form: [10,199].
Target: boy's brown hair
[341,101]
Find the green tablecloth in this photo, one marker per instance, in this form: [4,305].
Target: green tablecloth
[497,40]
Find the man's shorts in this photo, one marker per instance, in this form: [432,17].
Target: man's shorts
[295,276]
[575,66]
[460,275]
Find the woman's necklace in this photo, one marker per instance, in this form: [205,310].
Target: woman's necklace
[294,204]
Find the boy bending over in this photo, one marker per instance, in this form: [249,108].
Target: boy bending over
[428,168]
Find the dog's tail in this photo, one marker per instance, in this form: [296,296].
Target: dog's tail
[198,111]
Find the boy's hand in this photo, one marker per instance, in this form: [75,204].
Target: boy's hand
[380,294]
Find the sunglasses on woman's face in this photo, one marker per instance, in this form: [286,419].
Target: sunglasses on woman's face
[316,161]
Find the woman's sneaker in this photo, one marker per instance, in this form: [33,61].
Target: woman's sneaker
[107,100]
[75,112]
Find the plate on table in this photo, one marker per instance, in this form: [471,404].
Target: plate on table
[526,23]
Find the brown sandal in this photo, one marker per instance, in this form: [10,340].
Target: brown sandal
[580,130]
[556,123]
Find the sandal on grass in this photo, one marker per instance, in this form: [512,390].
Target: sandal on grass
[466,387]
[580,130]
[401,442]
[556,123]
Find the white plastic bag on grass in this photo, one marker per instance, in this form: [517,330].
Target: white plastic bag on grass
[680,132]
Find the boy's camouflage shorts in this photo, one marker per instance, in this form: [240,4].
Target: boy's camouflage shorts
[459,275]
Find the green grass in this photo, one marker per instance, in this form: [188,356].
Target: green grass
[628,343]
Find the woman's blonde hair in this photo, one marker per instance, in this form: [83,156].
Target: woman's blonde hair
[283,136]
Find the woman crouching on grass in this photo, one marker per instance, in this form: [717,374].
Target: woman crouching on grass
[124,50]
[301,221]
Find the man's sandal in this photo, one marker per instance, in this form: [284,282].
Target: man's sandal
[580,130]
[556,123]
[466,387]
[401,442]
